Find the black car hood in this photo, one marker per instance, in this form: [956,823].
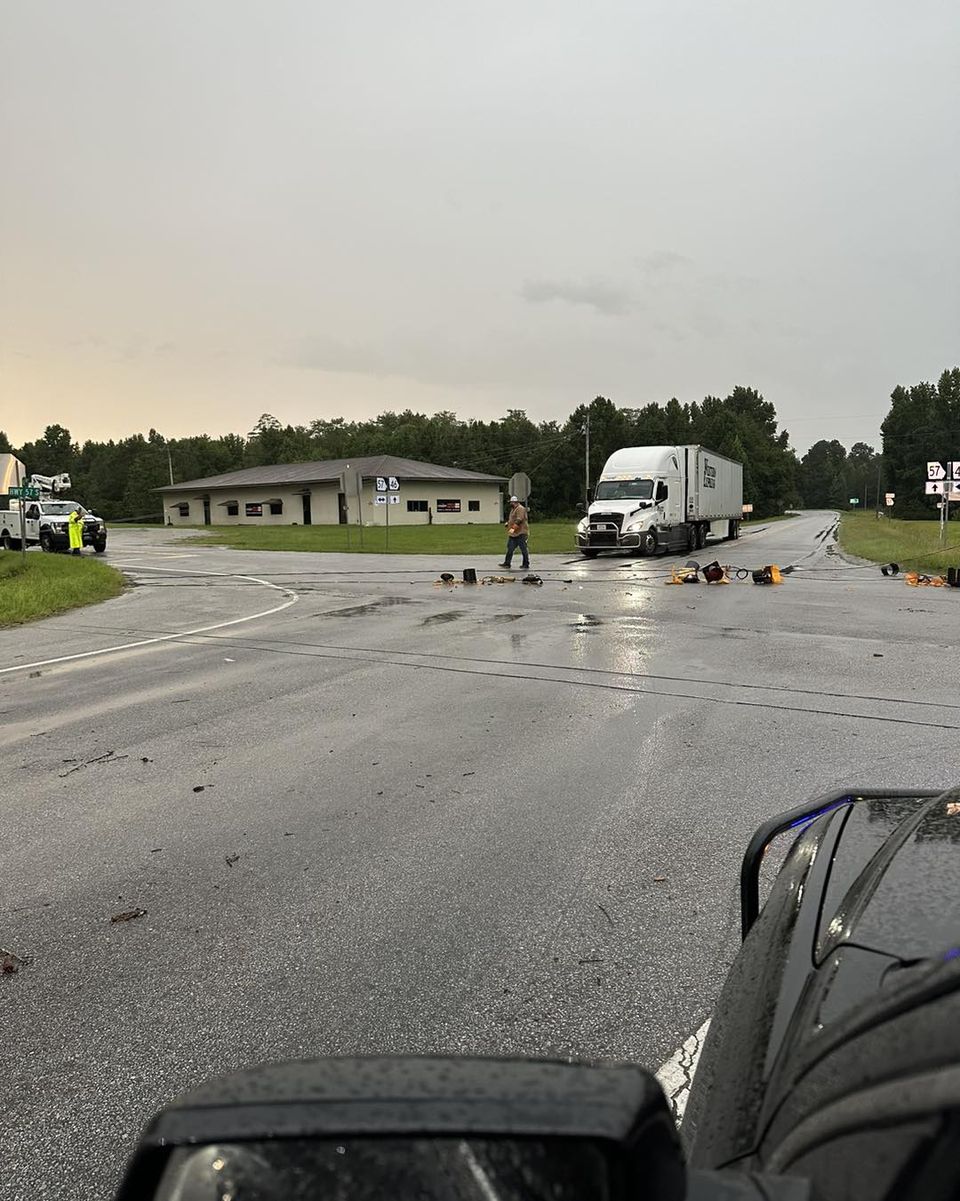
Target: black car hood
[894,882]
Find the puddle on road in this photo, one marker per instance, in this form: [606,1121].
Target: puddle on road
[371,607]
[436,619]
[586,622]
[499,618]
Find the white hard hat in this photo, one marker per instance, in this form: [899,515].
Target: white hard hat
[513,498]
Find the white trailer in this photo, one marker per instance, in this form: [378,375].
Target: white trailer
[651,499]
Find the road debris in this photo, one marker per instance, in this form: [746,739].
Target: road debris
[230,860]
[107,757]
[154,850]
[606,915]
[659,879]
[10,963]
[128,915]
[199,787]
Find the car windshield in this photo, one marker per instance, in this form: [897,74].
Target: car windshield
[62,508]
[635,489]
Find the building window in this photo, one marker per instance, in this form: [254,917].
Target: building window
[448,506]
[233,509]
[473,506]
[276,508]
[416,506]
[253,508]
[183,508]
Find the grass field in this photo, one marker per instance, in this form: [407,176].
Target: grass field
[546,537]
[41,585]
[913,544]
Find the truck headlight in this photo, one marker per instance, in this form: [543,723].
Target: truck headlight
[633,526]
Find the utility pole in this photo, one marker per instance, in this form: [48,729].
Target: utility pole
[585,429]
[169,462]
[879,461]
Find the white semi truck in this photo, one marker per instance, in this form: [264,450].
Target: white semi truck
[651,499]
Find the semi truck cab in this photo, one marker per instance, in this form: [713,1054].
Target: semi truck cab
[660,498]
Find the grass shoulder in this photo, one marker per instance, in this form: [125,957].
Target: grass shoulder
[40,585]
[913,544]
[546,537]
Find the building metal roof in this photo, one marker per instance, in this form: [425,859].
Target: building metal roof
[328,471]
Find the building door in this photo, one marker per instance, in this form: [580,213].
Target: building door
[307,519]
[206,510]
[342,506]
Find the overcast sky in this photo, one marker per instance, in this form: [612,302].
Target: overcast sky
[214,208]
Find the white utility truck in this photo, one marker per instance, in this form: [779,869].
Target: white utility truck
[662,498]
[34,512]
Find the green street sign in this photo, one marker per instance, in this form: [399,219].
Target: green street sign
[25,493]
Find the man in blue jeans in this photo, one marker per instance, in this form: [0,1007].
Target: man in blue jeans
[517,530]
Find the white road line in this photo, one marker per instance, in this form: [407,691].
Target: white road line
[293,597]
[676,1075]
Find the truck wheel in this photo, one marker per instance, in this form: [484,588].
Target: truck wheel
[734,530]
[9,543]
[650,542]
[46,543]
[589,554]
[100,547]
[701,537]
[692,541]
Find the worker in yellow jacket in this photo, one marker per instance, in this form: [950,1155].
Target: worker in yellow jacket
[75,530]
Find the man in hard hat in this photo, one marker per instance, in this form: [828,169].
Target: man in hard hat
[75,531]
[517,530]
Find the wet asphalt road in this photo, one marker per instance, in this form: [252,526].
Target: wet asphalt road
[392,816]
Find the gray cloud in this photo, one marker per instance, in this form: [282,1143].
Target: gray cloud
[606,298]
[661,261]
[352,208]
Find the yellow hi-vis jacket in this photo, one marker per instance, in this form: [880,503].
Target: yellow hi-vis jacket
[75,528]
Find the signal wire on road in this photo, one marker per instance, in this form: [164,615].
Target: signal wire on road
[400,658]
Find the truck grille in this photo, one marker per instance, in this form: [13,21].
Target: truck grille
[603,518]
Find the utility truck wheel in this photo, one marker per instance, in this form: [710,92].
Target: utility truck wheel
[650,542]
[9,543]
[589,554]
[46,543]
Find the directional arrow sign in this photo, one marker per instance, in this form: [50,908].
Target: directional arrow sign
[936,487]
[935,471]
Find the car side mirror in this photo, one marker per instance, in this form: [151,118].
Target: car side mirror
[411,1127]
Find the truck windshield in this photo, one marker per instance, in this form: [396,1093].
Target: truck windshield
[625,490]
[62,508]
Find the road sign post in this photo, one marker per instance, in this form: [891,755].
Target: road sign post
[23,517]
[388,493]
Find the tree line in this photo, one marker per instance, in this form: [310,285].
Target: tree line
[118,478]
[922,425]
